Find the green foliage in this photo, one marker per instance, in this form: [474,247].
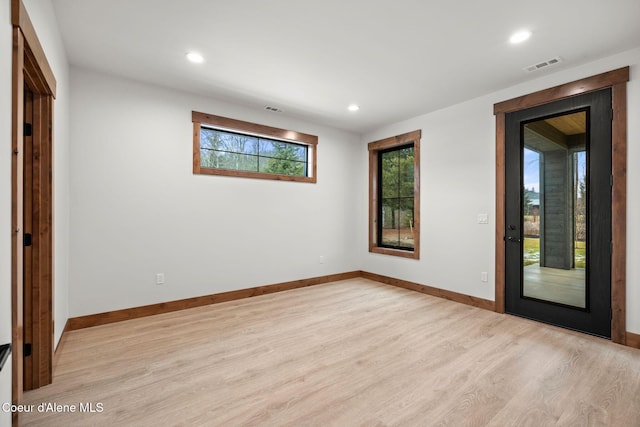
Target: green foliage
[580,212]
[580,254]
[285,160]
[397,173]
[531,251]
[397,184]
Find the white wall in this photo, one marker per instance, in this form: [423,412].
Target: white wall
[458,182]
[44,21]
[137,209]
[5,200]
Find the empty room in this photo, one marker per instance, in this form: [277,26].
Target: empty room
[335,213]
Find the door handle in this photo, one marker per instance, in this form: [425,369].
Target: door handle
[513,239]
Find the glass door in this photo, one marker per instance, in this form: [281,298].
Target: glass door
[558,213]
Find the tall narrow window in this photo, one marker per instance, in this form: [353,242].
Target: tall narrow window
[394,195]
[230,147]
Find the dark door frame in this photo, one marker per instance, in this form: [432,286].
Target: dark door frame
[617,81]
[31,69]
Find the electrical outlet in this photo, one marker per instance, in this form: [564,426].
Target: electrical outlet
[160,279]
[483,218]
[484,277]
[321,259]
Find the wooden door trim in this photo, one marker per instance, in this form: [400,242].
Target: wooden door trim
[30,67]
[35,58]
[617,81]
[17,192]
[578,87]
[619,213]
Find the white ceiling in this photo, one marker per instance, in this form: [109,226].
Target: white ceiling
[396,59]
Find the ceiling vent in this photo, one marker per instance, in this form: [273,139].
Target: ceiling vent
[543,64]
[272,109]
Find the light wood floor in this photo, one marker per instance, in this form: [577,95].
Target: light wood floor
[349,353]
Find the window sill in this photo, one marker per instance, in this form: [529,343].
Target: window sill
[395,252]
[254,175]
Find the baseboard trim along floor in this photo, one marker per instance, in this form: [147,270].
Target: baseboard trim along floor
[169,306]
[632,340]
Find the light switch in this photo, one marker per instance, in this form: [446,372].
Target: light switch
[483,218]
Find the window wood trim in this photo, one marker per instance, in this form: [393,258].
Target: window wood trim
[225,123]
[374,150]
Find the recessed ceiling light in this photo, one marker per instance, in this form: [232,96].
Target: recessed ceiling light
[520,36]
[353,107]
[195,57]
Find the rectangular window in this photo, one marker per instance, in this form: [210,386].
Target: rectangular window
[230,147]
[394,199]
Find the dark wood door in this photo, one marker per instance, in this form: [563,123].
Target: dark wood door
[558,213]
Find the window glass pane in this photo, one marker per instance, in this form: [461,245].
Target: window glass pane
[283,150]
[554,210]
[390,216]
[266,148]
[397,187]
[224,160]
[389,174]
[246,162]
[282,166]
[235,143]
[300,152]
[209,159]
[397,223]
[209,138]
[226,141]
[405,222]
[232,161]
[406,165]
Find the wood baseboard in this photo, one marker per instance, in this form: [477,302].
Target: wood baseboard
[633,340]
[429,290]
[166,307]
